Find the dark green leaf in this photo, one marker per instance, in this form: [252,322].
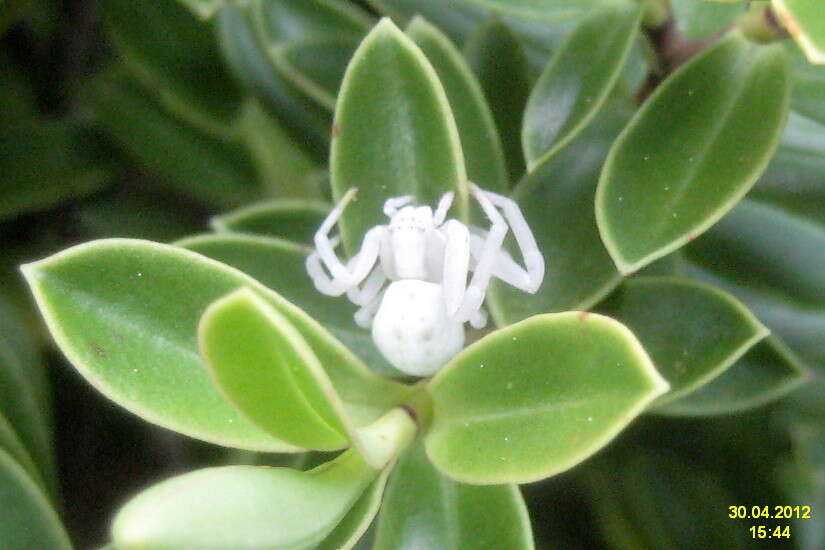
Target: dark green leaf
[395,133]
[424,507]
[480,141]
[551,10]
[576,83]
[290,220]
[693,150]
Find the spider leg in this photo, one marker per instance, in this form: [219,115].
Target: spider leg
[392,205]
[365,315]
[355,272]
[443,207]
[533,260]
[372,287]
[322,281]
[490,249]
[504,268]
[479,319]
[456,264]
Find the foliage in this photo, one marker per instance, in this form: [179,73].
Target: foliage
[667,155]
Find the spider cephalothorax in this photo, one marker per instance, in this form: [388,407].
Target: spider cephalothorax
[418,320]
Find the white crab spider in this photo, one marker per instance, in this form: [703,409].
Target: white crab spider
[418,321]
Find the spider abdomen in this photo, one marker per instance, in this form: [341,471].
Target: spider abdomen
[412,328]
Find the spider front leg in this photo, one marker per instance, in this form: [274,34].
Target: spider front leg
[344,277]
[531,278]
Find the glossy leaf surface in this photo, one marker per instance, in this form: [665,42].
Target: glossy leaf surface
[424,509]
[10,443]
[287,20]
[557,202]
[577,81]
[265,368]
[125,313]
[500,62]
[693,332]
[243,507]
[394,133]
[767,372]
[290,220]
[805,20]
[347,534]
[27,521]
[480,141]
[538,397]
[693,150]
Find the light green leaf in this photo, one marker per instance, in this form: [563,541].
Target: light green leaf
[352,528]
[394,133]
[497,57]
[692,331]
[176,59]
[537,398]
[263,366]
[576,83]
[125,313]
[778,271]
[480,141]
[550,10]
[805,20]
[424,509]
[698,20]
[27,521]
[767,372]
[693,150]
[290,220]
[557,202]
[808,87]
[315,65]
[206,168]
[255,508]
[280,265]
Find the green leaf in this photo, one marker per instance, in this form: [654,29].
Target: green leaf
[244,507]
[805,20]
[692,331]
[693,150]
[394,135]
[284,169]
[315,65]
[290,220]
[280,265]
[11,11]
[27,521]
[263,366]
[45,162]
[204,9]
[241,45]
[287,20]
[176,58]
[204,167]
[497,57]
[557,202]
[550,10]
[778,271]
[480,141]
[809,84]
[352,528]
[424,507]
[125,313]
[537,398]
[698,20]
[23,407]
[628,491]
[576,83]
[767,372]
[10,443]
